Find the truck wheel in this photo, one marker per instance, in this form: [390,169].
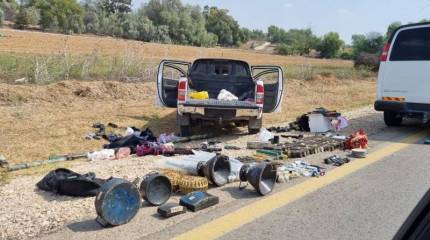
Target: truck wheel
[183,122]
[253,130]
[185,131]
[254,125]
[392,119]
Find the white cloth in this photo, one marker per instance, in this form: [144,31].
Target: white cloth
[226,95]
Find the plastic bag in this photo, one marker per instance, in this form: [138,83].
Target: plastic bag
[226,95]
[199,95]
[264,135]
[105,154]
[123,153]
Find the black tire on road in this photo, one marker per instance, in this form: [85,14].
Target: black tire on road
[392,119]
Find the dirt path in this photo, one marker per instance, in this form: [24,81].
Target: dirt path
[262,46]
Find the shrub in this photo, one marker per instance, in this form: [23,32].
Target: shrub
[9,9]
[368,60]
[346,55]
[27,16]
[1,17]
[330,45]
[284,49]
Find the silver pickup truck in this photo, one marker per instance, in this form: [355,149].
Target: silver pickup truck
[258,90]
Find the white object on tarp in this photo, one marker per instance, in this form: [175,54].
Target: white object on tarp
[186,164]
[226,95]
[319,124]
[105,154]
[264,135]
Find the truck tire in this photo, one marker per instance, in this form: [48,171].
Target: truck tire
[392,119]
[184,125]
[254,125]
[185,131]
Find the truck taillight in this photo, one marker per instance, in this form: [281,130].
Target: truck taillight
[384,54]
[259,94]
[182,90]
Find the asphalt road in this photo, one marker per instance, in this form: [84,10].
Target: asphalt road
[370,203]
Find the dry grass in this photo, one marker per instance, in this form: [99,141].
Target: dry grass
[38,121]
[41,120]
[26,42]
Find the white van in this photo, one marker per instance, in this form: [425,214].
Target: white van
[403,81]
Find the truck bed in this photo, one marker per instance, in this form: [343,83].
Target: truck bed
[214,103]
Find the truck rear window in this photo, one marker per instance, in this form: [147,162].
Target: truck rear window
[412,45]
[221,68]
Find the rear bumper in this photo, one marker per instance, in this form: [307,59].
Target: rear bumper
[403,107]
[240,113]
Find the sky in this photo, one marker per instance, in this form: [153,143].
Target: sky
[347,17]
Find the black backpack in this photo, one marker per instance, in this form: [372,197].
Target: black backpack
[66,182]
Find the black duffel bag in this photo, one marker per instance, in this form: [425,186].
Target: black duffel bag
[66,182]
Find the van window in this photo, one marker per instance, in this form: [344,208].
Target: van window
[412,45]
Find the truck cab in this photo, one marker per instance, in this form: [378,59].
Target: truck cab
[403,83]
[256,90]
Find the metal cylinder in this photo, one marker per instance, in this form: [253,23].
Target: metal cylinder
[117,202]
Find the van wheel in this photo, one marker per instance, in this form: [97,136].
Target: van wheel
[185,131]
[392,119]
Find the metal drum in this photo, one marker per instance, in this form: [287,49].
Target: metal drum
[156,188]
[117,202]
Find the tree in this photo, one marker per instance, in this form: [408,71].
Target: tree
[184,24]
[9,9]
[284,49]
[300,40]
[393,26]
[370,43]
[228,31]
[276,34]
[115,6]
[64,15]
[1,17]
[330,45]
[27,16]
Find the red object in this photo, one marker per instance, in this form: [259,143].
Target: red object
[123,153]
[358,139]
[182,90]
[384,54]
[259,95]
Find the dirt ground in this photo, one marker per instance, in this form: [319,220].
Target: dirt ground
[39,121]
[26,212]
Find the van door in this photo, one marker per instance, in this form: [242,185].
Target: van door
[169,73]
[273,79]
[404,75]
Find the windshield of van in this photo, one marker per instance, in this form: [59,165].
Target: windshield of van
[412,45]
